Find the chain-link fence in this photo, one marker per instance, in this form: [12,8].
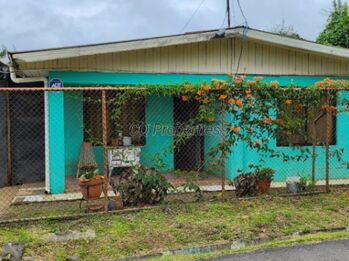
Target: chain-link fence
[78,150]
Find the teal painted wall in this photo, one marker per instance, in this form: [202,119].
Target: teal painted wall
[56,142]
[108,78]
[162,107]
[98,151]
[303,168]
[242,156]
[159,138]
[73,130]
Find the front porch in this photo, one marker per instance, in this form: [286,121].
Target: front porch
[35,192]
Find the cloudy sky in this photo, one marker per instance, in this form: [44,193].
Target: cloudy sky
[33,24]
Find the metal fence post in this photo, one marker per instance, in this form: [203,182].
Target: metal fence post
[223,149]
[105,152]
[328,137]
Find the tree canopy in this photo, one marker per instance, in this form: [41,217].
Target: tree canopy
[336,31]
[3,52]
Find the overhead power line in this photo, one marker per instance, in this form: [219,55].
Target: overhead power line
[192,16]
[242,13]
[228,13]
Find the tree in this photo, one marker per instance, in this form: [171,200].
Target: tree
[3,52]
[286,30]
[336,32]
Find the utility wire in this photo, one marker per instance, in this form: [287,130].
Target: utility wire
[244,37]
[228,13]
[192,16]
[242,13]
[223,22]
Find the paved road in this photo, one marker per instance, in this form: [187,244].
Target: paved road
[328,250]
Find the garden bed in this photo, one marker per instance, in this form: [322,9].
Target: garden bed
[179,224]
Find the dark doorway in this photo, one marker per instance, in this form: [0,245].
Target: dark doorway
[3,126]
[190,155]
[27,137]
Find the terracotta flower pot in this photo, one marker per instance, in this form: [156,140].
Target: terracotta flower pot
[91,188]
[264,186]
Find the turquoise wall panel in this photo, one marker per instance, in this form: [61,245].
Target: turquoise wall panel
[73,130]
[159,138]
[105,78]
[283,169]
[98,151]
[109,78]
[56,141]
[213,137]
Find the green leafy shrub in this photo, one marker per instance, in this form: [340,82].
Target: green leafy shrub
[245,185]
[139,186]
[305,185]
[89,173]
[302,184]
[264,174]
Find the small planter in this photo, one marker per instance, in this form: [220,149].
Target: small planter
[264,177]
[263,186]
[91,188]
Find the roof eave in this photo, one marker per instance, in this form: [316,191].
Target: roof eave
[71,52]
[307,46]
[261,36]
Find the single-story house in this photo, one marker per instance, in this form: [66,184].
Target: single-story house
[194,57]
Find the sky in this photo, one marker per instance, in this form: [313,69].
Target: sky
[35,24]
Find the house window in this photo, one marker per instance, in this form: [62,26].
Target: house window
[303,130]
[123,115]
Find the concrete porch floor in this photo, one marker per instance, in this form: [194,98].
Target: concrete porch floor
[35,192]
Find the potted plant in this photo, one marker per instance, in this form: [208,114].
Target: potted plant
[91,184]
[264,177]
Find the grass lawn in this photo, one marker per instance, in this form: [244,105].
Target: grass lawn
[186,224]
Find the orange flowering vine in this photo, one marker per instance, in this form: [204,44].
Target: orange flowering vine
[206,101]
[200,93]
[210,119]
[219,84]
[231,101]
[267,120]
[280,121]
[239,79]
[239,103]
[274,83]
[235,129]
[251,83]
[328,108]
[184,98]
[205,87]
[288,102]
[222,97]
[187,87]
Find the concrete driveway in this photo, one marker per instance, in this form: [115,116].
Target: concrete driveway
[327,250]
